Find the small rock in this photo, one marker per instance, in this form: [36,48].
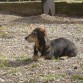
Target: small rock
[70,72]
[2,80]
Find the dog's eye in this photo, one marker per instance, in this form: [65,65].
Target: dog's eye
[34,33]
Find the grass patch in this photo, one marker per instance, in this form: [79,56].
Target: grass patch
[4,33]
[3,28]
[52,76]
[79,30]
[12,71]
[3,61]
[57,59]
[53,29]
[30,81]
[34,65]
[77,77]
[79,0]
[23,58]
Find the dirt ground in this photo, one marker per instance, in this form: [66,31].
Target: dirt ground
[16,65]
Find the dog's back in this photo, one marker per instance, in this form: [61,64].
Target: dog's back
[62,47]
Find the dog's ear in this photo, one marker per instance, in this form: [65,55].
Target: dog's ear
[43,31]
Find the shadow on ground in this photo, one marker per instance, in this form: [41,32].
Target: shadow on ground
[48,19]
[18,63]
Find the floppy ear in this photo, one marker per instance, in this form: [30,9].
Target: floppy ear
[43,31]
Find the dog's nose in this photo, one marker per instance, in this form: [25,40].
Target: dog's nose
[25,38]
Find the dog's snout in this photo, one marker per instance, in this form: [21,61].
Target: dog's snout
[25,38]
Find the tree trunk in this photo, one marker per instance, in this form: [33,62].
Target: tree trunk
[48,7]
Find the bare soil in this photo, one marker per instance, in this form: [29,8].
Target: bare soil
[16,65]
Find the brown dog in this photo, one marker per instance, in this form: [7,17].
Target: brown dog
[50,49]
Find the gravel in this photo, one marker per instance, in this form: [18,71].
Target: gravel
[18,52]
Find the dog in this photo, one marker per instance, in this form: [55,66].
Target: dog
[50,49]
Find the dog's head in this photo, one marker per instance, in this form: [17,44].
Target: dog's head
[36,35]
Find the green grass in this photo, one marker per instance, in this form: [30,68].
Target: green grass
[52,76]
[11,71]
[79,30]
[46,78]
[79,0]
[34,65]
[3,61]
[4,33]
[30,81]
[23,58]
[77,77]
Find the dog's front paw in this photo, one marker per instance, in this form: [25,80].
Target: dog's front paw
[41,58]
[35,58]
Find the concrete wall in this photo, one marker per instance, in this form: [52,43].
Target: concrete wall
[35,8]
[28,8]
[69,8]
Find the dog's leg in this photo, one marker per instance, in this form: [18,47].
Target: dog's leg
[35,56]
[41,58]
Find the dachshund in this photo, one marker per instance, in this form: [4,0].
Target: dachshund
[50,49]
